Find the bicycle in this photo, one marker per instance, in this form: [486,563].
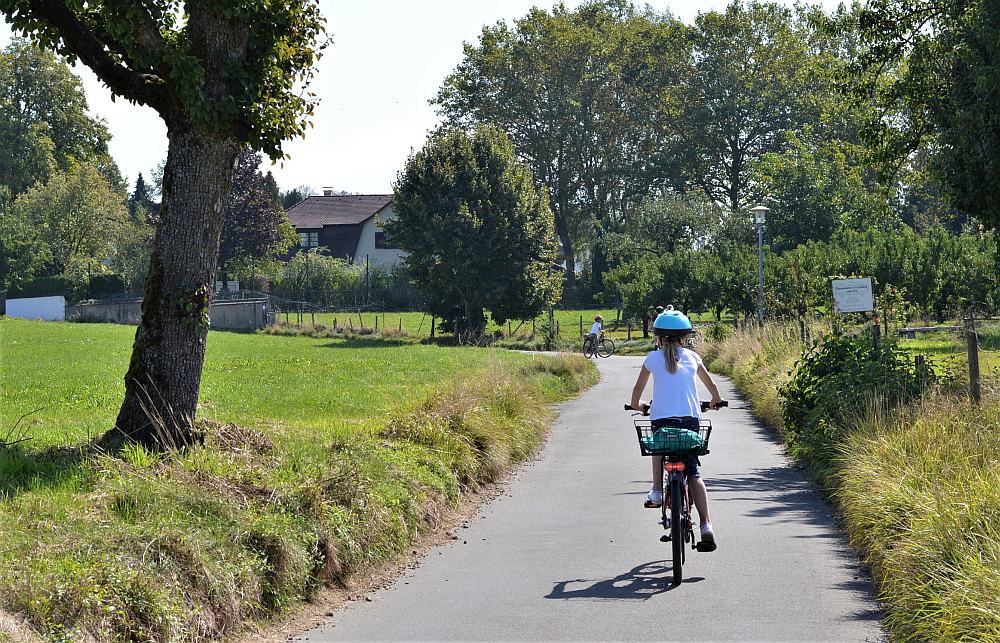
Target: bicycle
[675,443]
[603,347]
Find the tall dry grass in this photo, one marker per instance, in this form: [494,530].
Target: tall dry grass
[918,489]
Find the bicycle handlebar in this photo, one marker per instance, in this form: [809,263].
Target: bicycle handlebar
[704,407]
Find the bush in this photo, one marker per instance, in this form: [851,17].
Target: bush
[40,287]
[836,381]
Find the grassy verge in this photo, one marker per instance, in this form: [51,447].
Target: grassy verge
[918,489]
[324,458]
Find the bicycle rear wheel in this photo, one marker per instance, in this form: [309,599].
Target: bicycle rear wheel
[677,529]
[588,348]
[606,348]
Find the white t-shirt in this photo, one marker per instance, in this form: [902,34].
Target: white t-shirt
[674,394]
[596,328]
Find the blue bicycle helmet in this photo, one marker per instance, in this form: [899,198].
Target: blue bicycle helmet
[671,323]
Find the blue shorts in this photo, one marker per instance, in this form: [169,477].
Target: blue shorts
[691,462]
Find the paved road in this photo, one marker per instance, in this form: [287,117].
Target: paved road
[570,554]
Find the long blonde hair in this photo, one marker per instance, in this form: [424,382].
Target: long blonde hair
[671,351]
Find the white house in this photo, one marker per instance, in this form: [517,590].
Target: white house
[347,226]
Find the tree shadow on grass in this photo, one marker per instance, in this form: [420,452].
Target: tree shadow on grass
[22,470]
[364,342]
[640,583]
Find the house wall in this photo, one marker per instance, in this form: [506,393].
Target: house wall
[386,258]
[47,308]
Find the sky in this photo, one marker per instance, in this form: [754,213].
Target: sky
[386,61]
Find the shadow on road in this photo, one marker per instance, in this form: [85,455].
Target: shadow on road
[640,583]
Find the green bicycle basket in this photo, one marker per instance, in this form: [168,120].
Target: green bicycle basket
[672,441]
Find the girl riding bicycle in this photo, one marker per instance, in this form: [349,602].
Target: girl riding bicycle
[675,402]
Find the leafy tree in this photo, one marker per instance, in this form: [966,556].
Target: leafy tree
[480,236]
[578,92]
[256,228]
[223,75]
[814,192]
[745,88]
[44,124]
[76,214]
[936,73]
[22,253]
[130,251]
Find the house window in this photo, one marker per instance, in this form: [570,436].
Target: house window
[308,239]
[382,241]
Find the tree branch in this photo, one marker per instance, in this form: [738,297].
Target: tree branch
[143,88]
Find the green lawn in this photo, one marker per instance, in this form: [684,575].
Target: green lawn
[946,348]
[73,374]
[340,451]
[419,324]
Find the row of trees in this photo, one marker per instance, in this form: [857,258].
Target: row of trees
[673,251]
[611,106]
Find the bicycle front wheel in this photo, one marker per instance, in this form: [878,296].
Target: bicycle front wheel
[606,348]
[677,529]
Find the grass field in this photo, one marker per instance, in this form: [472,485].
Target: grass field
[418,325]
[323,458]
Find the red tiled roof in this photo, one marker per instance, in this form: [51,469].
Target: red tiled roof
[318,211]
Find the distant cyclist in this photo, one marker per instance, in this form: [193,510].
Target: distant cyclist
[596,329]
[675,402]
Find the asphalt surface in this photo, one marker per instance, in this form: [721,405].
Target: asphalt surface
[569,553]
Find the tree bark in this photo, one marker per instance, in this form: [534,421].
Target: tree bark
[164,375]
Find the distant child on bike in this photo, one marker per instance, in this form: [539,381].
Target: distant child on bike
[675,402]
[590,339]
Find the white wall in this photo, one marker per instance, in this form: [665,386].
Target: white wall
[377,257]
[47,308]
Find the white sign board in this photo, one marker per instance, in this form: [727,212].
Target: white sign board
[853,295]
[47,308]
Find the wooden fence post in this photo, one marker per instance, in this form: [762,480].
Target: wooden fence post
[508,329]
[532,328]
[972,340]
[400,324]
[433,322]
[334,323]
[628,326]
[376,323]
[581,326]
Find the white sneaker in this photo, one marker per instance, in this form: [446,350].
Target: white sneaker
[654,499]
[707,535]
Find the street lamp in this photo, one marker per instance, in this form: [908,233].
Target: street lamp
[759,216]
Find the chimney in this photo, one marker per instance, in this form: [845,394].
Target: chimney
[327,191]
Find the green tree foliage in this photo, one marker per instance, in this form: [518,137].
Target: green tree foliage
[935,68]
[44,123]
[22,253]
[223,75]
[480,236]
[814,192]
[296,196]
[832,384]
[256,229]
[76,214]
[578,92]
[746,86]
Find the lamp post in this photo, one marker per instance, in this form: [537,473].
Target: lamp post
[759,216]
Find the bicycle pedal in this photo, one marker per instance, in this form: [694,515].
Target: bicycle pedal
[705,546]
[665,538]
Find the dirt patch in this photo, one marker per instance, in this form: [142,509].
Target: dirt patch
[13,628]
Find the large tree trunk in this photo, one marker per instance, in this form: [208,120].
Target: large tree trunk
[164,375]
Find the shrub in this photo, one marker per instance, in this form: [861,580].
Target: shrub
[836,381]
